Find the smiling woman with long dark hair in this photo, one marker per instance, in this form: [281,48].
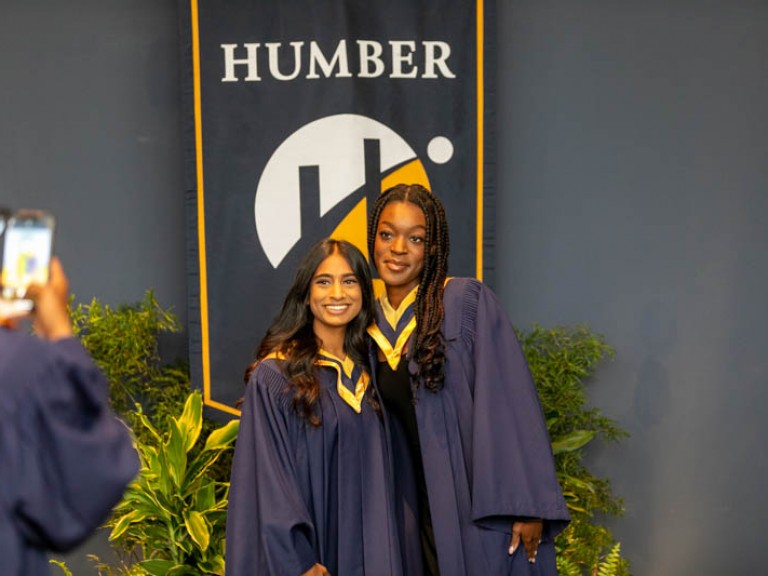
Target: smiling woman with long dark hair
[309,487]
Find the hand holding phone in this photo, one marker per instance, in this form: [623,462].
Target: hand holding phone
[27,247]
[51,313]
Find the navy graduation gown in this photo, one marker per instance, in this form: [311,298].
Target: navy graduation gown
[64,457]
[303,494]
[485,448]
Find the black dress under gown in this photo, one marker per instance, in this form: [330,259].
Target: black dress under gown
[395,390]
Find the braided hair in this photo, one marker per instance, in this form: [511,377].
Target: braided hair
[428,347]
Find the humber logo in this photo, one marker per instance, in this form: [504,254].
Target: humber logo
[320,181]
[403,59]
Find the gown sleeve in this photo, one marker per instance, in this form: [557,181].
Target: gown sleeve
[269,528]
[70,457]
[513,467]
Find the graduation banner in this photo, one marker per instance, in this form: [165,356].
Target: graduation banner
[297,114]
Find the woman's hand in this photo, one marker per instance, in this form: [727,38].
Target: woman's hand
[529,531]
[317,570]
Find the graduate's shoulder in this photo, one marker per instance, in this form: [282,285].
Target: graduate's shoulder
[462,294]
[462,299]
[460,287]
[268,385]
[467,290]
[268,373]
[460,304]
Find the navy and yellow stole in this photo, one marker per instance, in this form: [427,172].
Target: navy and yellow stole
[351,380]
[393,327]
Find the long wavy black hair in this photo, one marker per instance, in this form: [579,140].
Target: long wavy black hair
[291,333]
[428,348]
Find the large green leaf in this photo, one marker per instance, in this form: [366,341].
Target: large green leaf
[197,528]
[158,476]
[568,481]
[125,522]
[144,499]
[157,567]
[149,457]
[176,454]
[206,496]
[145,421]
[213,565]
[572,441]
[182,570]
[224,436]
[191,421]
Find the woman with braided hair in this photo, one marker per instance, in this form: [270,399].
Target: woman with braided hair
[474,472]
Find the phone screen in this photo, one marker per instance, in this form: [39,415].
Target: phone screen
[26,253]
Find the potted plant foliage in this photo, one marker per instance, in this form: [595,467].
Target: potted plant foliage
[561,360]
[171,520]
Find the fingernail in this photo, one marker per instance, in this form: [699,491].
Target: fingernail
[511,550]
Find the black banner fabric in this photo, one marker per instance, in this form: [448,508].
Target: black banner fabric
[297,114]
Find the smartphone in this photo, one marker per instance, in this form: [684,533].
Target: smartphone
[27,248]
[5,215]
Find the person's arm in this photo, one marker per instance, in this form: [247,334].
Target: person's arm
[74,457]
[269,527]
[515,486]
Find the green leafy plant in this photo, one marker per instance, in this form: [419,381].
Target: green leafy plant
[612,564]
[172,519]
[123,341]
[149,395]
[561,360]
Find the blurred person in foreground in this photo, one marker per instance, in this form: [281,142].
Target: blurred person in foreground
[65,459]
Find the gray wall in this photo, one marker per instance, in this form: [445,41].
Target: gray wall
[634,192]
[90,129]
[633,140]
